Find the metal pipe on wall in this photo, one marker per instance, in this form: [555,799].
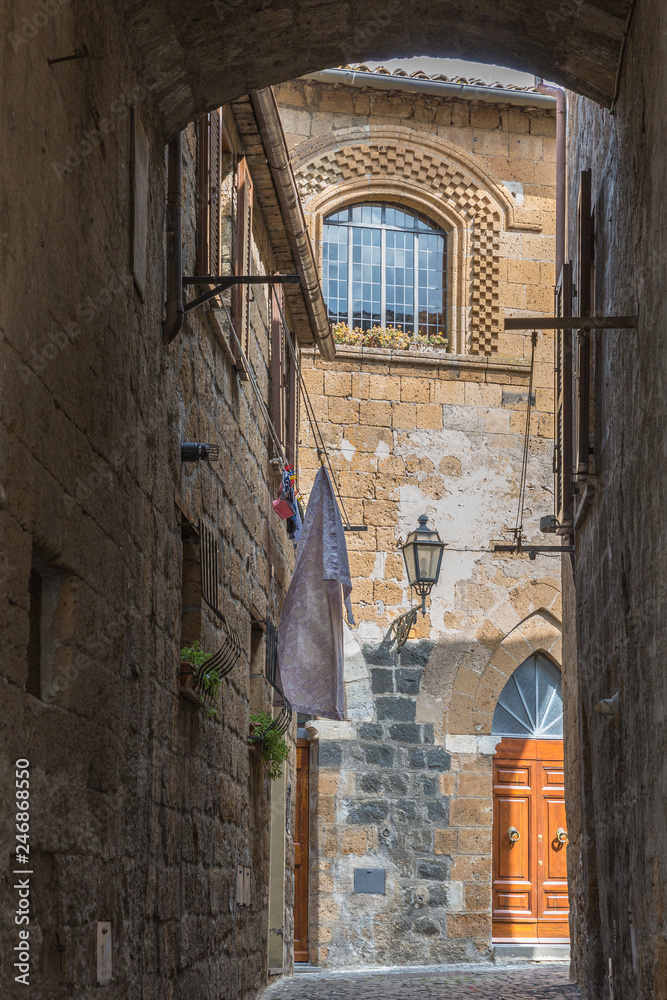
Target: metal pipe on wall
[173,320]
[561,168]
[439,88]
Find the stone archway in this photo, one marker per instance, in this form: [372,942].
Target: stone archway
[206,53]
[474,694]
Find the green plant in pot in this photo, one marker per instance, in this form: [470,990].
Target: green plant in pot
[269,745]
[195,676]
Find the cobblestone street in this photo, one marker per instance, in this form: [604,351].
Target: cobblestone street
[488,982]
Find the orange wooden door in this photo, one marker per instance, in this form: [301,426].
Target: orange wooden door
[529,861]
[301,853]
[552,902]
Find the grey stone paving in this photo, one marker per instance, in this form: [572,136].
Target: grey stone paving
[487,982]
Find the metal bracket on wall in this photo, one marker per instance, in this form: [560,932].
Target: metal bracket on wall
[572,323]
[402,625]
[223,282]
[532,550]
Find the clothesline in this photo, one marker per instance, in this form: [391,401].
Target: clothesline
[322,452]
[253,382]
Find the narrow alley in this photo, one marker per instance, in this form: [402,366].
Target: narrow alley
[473,982]
[333,479]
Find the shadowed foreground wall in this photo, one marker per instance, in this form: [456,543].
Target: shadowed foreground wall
[617,595]
[141,807]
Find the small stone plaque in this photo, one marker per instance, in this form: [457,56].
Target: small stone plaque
[370,880]
[104,966]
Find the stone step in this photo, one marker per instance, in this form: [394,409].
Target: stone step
[515,952]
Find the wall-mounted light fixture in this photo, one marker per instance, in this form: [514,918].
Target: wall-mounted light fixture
[422,553]
[191,452]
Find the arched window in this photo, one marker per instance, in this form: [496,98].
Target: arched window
[530,705]
[385,266]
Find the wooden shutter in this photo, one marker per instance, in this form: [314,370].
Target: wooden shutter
[563,405]
[278,359]
[285,413]
[585,236]
[209,168]
[203,196]
[292,405]
[301,854]
[215,180]
[243,246]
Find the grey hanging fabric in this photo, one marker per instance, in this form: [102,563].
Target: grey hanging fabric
[310,634]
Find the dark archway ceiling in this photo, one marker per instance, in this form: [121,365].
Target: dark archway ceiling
[206,52]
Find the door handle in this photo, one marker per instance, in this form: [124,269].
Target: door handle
[513,834]
[561,835]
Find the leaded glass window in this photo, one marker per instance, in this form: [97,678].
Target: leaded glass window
[385,266]
[530,705]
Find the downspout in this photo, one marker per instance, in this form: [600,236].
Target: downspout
[173,320]
[280,164]
[561,128]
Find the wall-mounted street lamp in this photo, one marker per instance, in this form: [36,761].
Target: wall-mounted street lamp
[422,553]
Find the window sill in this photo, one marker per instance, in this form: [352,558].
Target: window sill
[432,359]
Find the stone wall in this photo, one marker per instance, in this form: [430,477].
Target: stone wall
[389,797]
[141,806]
[406,783]
[485,173]
[616,589]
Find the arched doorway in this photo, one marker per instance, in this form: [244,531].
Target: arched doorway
[530,901]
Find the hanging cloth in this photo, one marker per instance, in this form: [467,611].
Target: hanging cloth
[310,634]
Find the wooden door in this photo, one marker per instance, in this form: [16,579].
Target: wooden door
[529,860]
[301,853]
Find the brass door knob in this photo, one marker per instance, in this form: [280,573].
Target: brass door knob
[513,834]
[561,835]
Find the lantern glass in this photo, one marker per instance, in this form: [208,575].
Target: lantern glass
[423,555]
[427,558]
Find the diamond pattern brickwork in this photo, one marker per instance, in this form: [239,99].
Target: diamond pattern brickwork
[453,185]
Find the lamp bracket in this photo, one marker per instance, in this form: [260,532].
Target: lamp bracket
[402,625]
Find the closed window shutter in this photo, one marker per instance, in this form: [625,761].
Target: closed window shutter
[277,365]
[215,181]
[243,254]
[563,436]
[209,179]
[203,196]
[292,407]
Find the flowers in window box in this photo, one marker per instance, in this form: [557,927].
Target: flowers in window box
[390,337]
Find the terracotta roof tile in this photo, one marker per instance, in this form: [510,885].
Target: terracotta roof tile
[437,77]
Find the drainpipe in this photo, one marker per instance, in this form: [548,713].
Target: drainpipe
[280,164]
[439,88]
[561,125]
[174,305]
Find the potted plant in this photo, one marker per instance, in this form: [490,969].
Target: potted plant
[195,677]
[268,744]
